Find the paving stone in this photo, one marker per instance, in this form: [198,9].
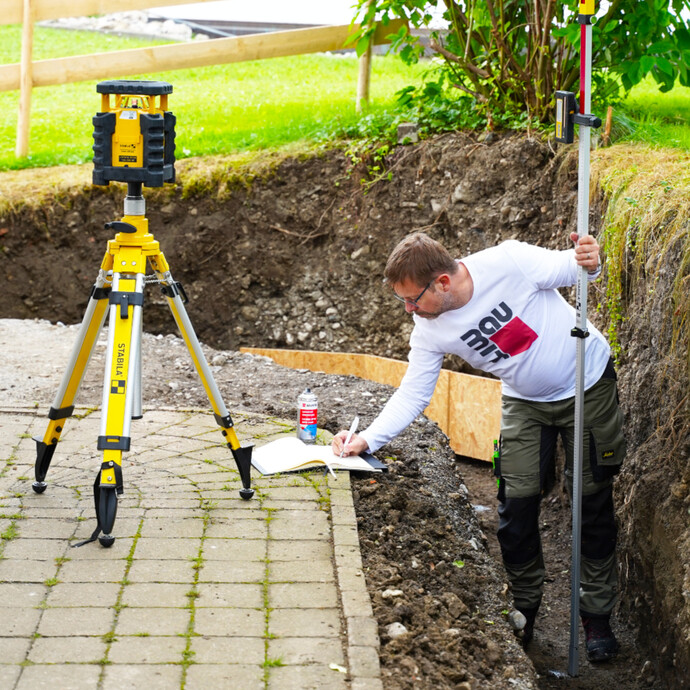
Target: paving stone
[343,515]
[175,549]
[345,535]
[237,595]
[290,595]
[20,594]
[235,549]
[34,549]
[235,571]
[241,527]
[59,622]
[228,650]
[147,650]
[175,571]
[42,528]
[67,594]
[19,622]
[72,649]
[363,631]
[148,594]
[356,603]
[230,622]
[152,621]
[298,524]
[63,676]
[298,550]
[306,650]
[26,571]
[161,528]
[13,650]
[292,493]
[226,676]
[364,662]
[9,675]
[306,678]
[318,570]
[366,684]
[92,570]
[136,677]
[304,623]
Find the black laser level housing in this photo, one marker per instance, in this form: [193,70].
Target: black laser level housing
[134,136]
[567,117]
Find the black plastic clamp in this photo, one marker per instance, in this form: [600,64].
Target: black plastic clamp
[113,443]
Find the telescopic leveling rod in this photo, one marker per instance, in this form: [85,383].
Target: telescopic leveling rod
[566,118]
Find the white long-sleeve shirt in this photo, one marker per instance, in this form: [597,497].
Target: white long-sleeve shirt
[516,325]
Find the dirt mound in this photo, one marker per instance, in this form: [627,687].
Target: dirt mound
[295,260]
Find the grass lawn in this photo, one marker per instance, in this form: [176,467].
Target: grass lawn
[657,118]
[254,105]
[219,109]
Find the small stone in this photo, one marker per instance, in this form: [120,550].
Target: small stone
[408,133]
[437,206]
[391,593]
[396,630]
[517,620]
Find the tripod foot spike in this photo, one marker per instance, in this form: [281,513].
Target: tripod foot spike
[243,460]
[44,454]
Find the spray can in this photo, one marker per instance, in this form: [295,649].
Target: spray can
[307,413]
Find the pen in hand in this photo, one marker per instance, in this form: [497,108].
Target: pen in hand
[350,433]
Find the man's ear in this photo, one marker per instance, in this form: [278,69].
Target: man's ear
[444,282]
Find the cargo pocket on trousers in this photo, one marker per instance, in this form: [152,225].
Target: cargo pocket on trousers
[606,446]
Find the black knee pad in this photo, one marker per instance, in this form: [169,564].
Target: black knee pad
[518,529]
[599,530]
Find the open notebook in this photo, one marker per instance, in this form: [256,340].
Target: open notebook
[289,454]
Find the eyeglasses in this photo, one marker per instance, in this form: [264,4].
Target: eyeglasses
[413,302]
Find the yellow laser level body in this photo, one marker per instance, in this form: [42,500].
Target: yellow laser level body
[587,7]
[134,134]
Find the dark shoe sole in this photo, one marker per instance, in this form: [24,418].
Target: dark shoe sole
[598,655]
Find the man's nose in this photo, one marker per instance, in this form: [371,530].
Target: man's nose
[410,308]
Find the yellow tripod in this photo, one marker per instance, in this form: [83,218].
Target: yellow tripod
[119,290]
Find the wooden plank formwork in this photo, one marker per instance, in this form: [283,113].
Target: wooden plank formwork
[466,408]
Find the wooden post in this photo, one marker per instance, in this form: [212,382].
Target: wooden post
[26,82]
[364,77]
[363,80]
[606,139]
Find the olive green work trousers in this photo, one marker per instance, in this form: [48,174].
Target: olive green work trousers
[526,470]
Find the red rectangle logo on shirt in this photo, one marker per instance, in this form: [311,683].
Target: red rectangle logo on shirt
[515,337]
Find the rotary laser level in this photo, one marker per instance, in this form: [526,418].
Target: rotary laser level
[134,137]
[134,142]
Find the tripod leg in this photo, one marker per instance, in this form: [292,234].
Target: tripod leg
[124,344]
[63,404]
[242,455]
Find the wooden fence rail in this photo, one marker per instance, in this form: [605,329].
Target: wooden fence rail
[154,59]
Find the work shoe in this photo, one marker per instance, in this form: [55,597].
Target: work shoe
[601,642]
[525,633]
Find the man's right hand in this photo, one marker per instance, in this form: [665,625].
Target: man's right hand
[356,445]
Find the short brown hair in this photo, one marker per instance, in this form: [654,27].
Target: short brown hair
[418,258]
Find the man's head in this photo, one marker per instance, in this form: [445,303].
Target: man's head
[418,258]
[420,272]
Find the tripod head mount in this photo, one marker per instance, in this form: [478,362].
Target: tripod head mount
[134,134]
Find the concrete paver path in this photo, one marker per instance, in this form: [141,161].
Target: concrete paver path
[200,589]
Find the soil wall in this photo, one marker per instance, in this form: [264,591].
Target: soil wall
[295,260]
